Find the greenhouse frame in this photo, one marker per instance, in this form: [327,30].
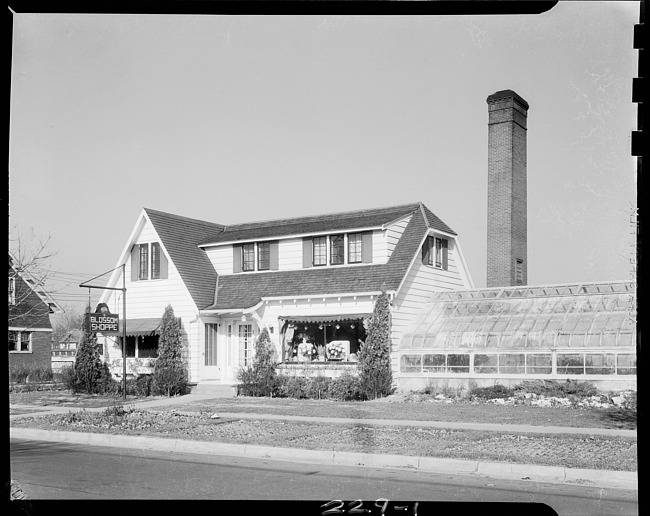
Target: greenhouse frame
[583,331]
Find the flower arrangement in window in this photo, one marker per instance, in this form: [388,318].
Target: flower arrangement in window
[335,351]
[306,351]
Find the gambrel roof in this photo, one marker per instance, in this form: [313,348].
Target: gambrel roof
[182,237]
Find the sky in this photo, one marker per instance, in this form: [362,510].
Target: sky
[236,119]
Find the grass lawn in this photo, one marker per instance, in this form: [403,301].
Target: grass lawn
[64,398]
[426,411]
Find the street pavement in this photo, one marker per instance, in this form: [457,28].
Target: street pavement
[553,474]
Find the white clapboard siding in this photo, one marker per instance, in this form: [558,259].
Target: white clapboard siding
[394,233]
[420,283]
[290,254]
[221,258]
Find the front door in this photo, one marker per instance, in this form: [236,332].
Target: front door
[211,369]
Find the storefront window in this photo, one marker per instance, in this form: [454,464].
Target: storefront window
[346,334]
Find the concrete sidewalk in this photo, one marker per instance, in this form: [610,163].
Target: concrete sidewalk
[551,474]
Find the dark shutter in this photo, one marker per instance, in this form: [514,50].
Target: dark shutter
[163,264]
[444,253]
[307,252]
[274,257]
[236,258]
[135,262]
[366,247]
[426,251]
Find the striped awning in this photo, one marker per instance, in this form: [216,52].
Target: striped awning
[325,318]
[141,326]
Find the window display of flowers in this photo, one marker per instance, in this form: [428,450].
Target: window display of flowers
[335,350]
[306,350]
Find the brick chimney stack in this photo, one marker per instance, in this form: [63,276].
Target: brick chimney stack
[507,261]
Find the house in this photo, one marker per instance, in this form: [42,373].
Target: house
[310,280]
[30,329]
[64,351]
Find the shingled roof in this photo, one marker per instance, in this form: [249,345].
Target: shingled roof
[180,235]
[358,219]
[241,291]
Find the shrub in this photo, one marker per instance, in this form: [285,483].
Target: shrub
[375,372]
[293,387]
[558,389]
[18,373]
[68,378]
[347,387]
[169,376]
[260,378]
[91,374]
[319,387]
[491,392]
[23,373]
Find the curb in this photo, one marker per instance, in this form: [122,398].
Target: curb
[535,473]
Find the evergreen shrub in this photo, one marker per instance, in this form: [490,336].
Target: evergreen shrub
[375,371]
[347,387]
[491,392]
[91,374]
[293,387]
[260,378]
[170,374]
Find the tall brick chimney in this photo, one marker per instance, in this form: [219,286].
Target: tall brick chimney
[507,261]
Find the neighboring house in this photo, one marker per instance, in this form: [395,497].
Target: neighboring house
[30,330]
[64,352]
[312,279]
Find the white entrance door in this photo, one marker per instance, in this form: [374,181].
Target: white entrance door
[211,369]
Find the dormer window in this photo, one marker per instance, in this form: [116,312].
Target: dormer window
[347,248]
[435,252]
[256,256]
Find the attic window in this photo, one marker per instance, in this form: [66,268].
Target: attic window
[435,252]
[148,257]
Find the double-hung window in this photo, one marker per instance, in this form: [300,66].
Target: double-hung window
[320,251]
[20,341]
[248,257]
[435,252]
[263,256]
[148,262]
[337,250]
[354,248]
[143,273]
[12,291]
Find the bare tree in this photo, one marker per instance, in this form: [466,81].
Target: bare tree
[29,270]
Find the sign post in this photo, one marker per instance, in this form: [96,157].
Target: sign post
[105,322]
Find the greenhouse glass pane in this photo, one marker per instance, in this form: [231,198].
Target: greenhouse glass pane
[570,364]
[584,323]
[626,340]
[626,364]
[599,323]
[500,325]
[541,322]
[485,364]
[562,340]
[608,340]
[458,363]
[480,340]
[554,323]
[433,364]
[599,363]
[570,322]
[454,340]
[534,340]
[577,340]
[411,363]
[549,339]
[467,339]
[512,363]
[615,321]
[429,342]
[539,364]
[593,340]
[417,341]
[527,324]
[519,340]
[492,340]
[507,340]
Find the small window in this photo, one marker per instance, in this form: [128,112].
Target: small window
[519,272]
[248,257]
[354,248]
[539,364]
[600,363]
[263,256]
[20,341]
[337,250]
[512,363]
[155,260]
[13,341]
[434,364]
[434,252]
[320,251]
[144,262]
[485,364]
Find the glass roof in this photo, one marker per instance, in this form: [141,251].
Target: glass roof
[526,316]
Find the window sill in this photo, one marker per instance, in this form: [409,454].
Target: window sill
[20,352]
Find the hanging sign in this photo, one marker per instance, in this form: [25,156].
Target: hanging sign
[103,321]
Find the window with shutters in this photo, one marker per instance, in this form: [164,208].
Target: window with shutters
[435,252]
[255,256]
[148,262]
[341,249]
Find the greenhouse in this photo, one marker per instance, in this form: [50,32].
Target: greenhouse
[573,331]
